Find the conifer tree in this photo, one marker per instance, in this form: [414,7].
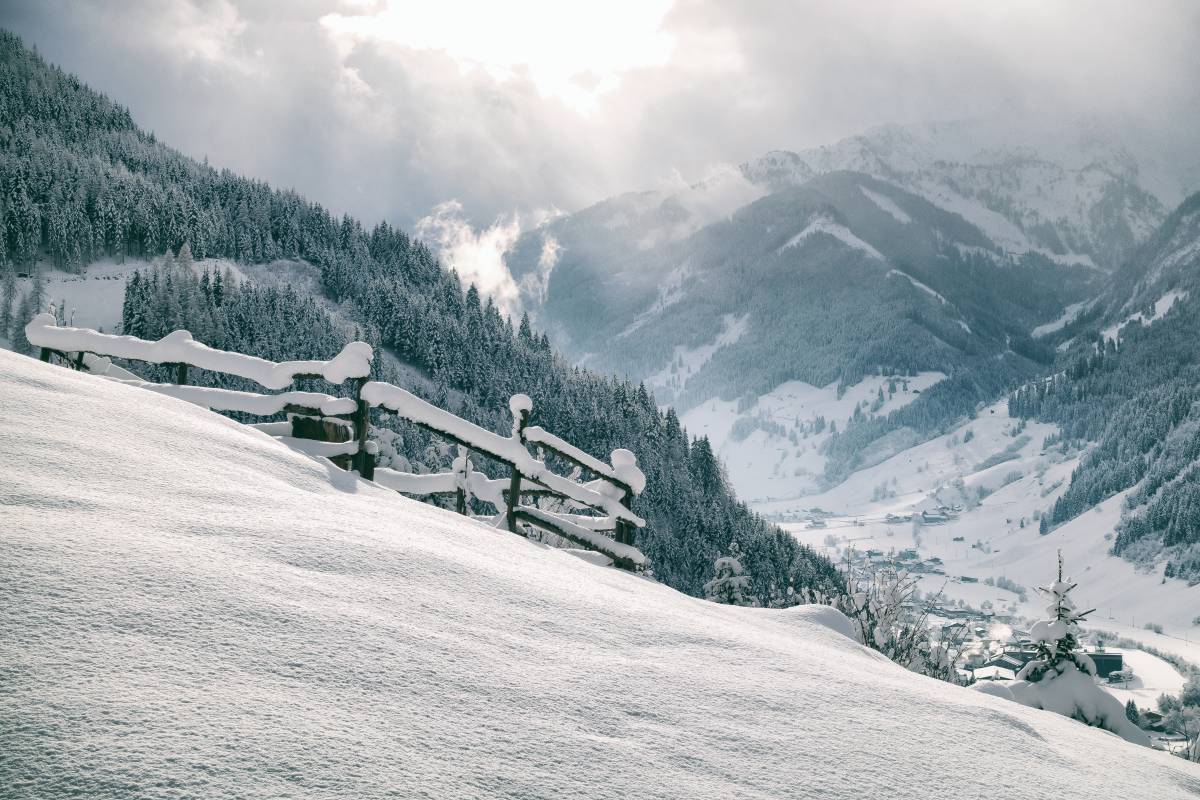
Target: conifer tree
[1061,678]
[25,312]
[1056,639]
[731,584]
[8,302]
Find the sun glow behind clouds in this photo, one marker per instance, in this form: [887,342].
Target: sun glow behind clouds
[592,44]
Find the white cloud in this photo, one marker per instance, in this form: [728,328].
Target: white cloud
[571,51]
[384,109]
[477,256]
[535,284]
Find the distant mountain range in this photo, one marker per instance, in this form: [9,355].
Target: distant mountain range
[904,251]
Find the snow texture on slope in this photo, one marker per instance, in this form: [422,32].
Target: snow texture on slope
[189,609]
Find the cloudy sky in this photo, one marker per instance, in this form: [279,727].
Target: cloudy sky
[391,108]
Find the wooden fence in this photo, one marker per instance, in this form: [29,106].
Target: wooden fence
[339,428]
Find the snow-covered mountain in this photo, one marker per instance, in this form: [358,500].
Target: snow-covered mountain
[908,250]
[1076,193]
[190,606]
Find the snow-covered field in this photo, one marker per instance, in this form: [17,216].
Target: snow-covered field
[1161,307]
[997,536]
[93,299]
[766,465]
[1152,677]
[190,609]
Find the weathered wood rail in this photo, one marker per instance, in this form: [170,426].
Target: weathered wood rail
[339,428]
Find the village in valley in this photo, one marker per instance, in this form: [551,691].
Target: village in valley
[986,621]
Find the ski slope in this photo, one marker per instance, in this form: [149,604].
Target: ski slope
[189,609]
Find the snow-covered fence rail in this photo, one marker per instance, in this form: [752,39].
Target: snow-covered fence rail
[338,427]
[611,493]
[82,348]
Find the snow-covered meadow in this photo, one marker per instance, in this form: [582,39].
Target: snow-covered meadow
[997,535]
[190,608]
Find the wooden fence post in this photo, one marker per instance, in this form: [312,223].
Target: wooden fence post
[460,494]
[45,354]
[364,462]
[520,422]
[625,530]
[181,371]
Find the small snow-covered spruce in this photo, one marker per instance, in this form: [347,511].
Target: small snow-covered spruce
[731,586]
[1056,640]
[1061,678]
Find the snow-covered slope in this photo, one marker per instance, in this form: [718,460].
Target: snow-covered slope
[771,447]
[190,609]
[1003,474]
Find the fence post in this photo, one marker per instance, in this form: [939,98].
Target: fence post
[520,405]
[625,530]
[45,354]
[460,494]
[181,371]
[364,462]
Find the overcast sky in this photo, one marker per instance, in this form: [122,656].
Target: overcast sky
[388,109]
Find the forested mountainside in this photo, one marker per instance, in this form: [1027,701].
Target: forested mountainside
[79,180]
[1130,381]
[842,277]
[830,281]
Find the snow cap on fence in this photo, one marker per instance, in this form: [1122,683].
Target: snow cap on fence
[178,347]
[460,465]
[518,403]
[248,402]
[353,362]
[625,467]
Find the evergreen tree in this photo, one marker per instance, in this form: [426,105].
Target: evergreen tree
[1061,678]
[1056,639]
[37,296]
[731,584]
[8,302]
[25,312]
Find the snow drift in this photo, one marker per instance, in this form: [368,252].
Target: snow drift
[189,608]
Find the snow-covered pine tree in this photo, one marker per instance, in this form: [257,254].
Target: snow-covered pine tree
[8,303]
[37,295]
[25,312]
[1131,712]
[731,585]
[184,257]
[1062,678]
[1056,639]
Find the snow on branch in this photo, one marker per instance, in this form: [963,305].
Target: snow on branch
[249,402]
[180,348]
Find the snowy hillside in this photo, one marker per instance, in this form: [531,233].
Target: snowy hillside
[1003,476]
[191,608]
[772,447]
